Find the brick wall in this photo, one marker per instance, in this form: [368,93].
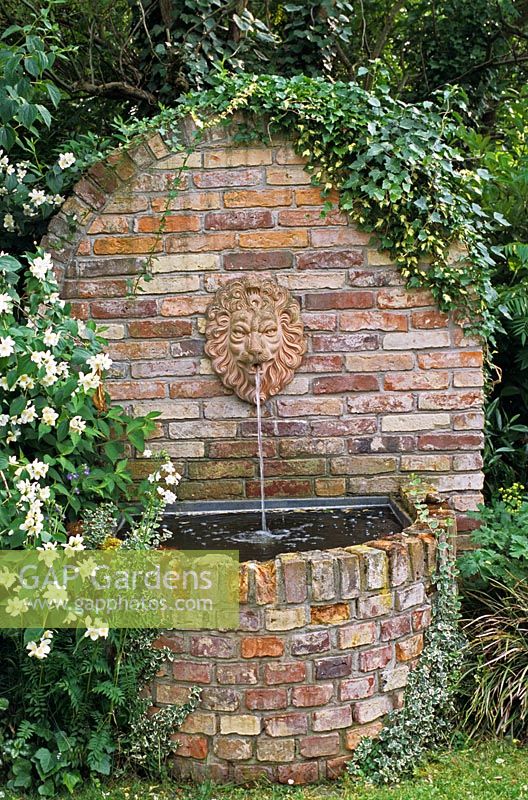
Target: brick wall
[388,385]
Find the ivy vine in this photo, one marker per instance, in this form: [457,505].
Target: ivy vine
[400,169]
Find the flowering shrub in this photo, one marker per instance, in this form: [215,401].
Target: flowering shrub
[63,447]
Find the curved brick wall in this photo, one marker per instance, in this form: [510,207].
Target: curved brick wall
[325,645]
[389,385]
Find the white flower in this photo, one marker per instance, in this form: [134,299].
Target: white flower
[66,160]
[96,633]
[55,300]
[74,544]
[47,635]
[3,383]
[26,382]
[29,414]
[12,459]
[167,495]
[9,223]
[40,266]
[12,436]
[39,651]
[49,416]
[6,303]
[77,424]
[37,197]
[168,467]
[57,199]
[48,546]
[7,346]
[100,361]
[89,381]
[44,493]
[50,338]
[147,453]
[37,469]
[4,419]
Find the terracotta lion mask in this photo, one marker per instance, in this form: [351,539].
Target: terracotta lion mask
[254,323]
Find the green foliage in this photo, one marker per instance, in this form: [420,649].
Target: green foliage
[501,540]
[399,170]
[495,678]
[426,720]
[505,446]
[79,712]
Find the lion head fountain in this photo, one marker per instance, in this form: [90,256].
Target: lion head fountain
[254,323]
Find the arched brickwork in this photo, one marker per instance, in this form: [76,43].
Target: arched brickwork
[388,386]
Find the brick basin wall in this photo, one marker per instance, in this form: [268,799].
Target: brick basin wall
[324,649]
[388,386]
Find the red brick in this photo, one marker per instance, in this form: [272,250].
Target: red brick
[380,403]
[375,277]
[450,441]
[135,350]
[280,488]
[372,320]
[320,322]
[468,378]
[221,699]
[168,224]
[323,363]
[91,195]
[286,725]
[122,309]
[159,329]
[154,369]
[298,466]
[449,400]
[238,220]
[395,627]
[93,289]
[303,644]
[345,383]
[192,671]
[227,177]
[190,746]
[199,242]
[409,381]
[249,774]
[468,420]
[298,774]
[401,298]
[409,648]
[276,238]
[344,427]
[232,748]
[372,709]
[354,736]
[376,658]
[241,449]
[329,614]
[356,635]
[311,217]
[330,259]
[429,319]
[335,767]
[465,358]
[303,696]
[184,306]
[357,688]
[191,201]
[304,447]
[196,388]
[421,618]
[345,342]
[284,672]
[334,667]
[330,719]
[174,643]
[265,260]
[313,196]
[266,699]
[125,245]
[249,198]
[293,568]
[327,744]
[136,390]
[336,300]
[275,750]
[261,646]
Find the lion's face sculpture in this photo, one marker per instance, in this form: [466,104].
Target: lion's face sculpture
[253,323]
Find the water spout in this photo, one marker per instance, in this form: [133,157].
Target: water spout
[263,523]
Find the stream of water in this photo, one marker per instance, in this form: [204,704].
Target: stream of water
[263,524]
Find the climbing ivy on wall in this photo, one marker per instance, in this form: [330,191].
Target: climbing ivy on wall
[400,169]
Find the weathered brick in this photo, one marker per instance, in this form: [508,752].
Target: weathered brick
[409,648]
[249,198]
[244,724]
[415,422]
[436,463]
[303,696]
[310,217]
[134,390]
[191,746]
[159,329]
[338,237]
[343,427]
[309,406]
[395,627]
[354,736]
[237,220]
[375,606]
[236,674]
[313,196]
[109,223]
[330,719]
[227,177]
[212,470]
[336,384]
[220,699]
[289,175]
[450,400]
[329,614]
[266,699]
[450,441]
[125,245]
[200,722]
[265,582]
[285,619]
[183,306]
[357,688]
[286,725]
[410,596]
[284,672]
[320,322]
[349,575]
[122,309]
[274,238]
[261,646]
[275,750]
[362,465]
[421,618]
[249,774]
[303,644]
[415,340]
[192,671]
[394,678]
[467,378]
[199,388]
[402,298]
[155,369]
[298,774]
[369,710]
[258,260]
[468,461]
[356,635]
[280,488]
[409,381]
[334,667]
[379,362]
[377,658]
[213,646]
[323,578]
[293,568]
[237,157]
[472,358]
[198,242]
[330,487]
[316,746]
[336,300]
[232,749]
[429,319]
[373,320]
[168,224]
[170,694]
[186,201]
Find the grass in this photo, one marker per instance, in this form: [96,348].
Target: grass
[495,770]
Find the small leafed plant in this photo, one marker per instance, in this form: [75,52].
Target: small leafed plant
[63,446]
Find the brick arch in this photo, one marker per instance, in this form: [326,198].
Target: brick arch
[389,385]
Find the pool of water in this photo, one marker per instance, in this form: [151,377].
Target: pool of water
[290,530]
